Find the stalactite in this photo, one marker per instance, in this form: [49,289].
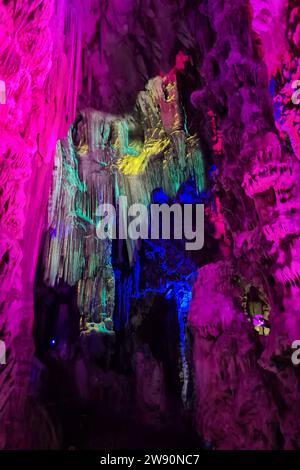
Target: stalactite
[82,180]
[167,156]
[101,159]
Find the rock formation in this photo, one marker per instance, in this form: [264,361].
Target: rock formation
[158,101]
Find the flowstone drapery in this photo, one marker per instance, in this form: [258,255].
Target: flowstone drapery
[105,157]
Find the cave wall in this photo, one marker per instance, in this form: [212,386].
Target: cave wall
[250,386]
[59,57]
[39,66]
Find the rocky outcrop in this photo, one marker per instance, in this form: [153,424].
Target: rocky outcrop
[257,183]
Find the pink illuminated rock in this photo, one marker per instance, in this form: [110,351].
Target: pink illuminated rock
[37,76]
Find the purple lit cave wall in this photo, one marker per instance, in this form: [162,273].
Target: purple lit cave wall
[121,343]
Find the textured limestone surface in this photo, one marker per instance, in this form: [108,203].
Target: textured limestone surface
[224,71]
